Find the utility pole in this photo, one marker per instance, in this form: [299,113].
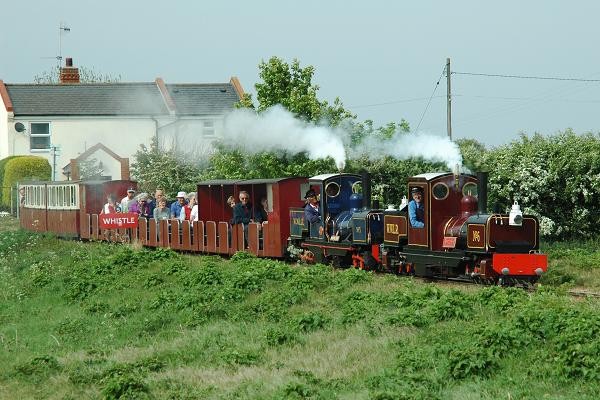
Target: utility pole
[55,152]
[448,99]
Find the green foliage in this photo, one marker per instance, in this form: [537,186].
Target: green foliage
[125,385]
[234,164]
[155,167]
[3,163]
[39,367]
[90,168]
[21,169]
[554,177]
[142,323]
[292,87]
[473,154]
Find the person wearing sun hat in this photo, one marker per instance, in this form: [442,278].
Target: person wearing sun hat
[178,205]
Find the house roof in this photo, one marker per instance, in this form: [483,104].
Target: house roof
[86,99]
[120,99]
[203,99]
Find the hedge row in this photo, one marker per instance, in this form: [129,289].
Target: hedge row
[16,169]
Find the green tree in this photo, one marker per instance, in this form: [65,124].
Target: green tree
[291,86]
[90,169]
[155,167]
[473,153]
[235,164]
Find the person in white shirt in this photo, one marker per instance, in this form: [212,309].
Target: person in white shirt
[127,200]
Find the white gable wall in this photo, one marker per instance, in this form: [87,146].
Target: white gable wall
[73,136]
[4,127]
[123,135]
[110,166]
[193,137]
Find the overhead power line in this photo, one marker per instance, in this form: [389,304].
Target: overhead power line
[431,97]
[394,102]
[547,78]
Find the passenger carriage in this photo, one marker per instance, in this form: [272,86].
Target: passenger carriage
[63,208]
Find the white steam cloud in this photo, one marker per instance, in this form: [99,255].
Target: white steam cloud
[277,129]
[403,146]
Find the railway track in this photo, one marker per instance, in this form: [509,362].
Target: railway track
[583,293]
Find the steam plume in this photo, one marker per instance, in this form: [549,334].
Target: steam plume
[403,146]
[277,129]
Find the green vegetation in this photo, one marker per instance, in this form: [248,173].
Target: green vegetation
[101,321]
[23,168]
[573,263]
[3,163]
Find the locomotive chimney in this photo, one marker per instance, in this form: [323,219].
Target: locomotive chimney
[366,186]
[69,74]
[482,179]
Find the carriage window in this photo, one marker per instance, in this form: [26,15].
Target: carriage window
[440,191]
[62,197]
[470,188]
[332,189]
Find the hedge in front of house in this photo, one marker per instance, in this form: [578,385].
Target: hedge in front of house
[2,165]
[21,169]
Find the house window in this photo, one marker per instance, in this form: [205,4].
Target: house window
[209,128]
[39,137]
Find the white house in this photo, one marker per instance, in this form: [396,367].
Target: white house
[63,121]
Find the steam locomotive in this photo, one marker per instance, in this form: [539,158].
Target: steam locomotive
[459,239]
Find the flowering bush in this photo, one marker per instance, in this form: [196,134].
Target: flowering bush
[556,178]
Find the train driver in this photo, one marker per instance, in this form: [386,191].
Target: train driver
[416,210]
[311,209]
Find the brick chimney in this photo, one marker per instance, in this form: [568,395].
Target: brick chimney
[68,73]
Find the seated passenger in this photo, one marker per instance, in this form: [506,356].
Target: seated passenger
[127,200]
[178,205]
[186,210]
[158,194]
[161,211]
[194,216]
[416,209]
[110,207]
[141,206]
[242,212]
[260,212]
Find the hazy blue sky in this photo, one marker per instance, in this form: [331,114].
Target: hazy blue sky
[382,58]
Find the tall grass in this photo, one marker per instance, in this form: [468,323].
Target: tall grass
[92,320]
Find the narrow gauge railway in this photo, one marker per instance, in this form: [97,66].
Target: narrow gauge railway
[457,240]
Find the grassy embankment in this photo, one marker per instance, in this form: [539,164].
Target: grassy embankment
[89,320]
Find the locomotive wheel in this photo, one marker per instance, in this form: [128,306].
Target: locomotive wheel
[370,262]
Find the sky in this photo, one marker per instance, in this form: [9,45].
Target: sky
[381,58]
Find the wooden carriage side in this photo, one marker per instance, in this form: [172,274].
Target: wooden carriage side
[263,240]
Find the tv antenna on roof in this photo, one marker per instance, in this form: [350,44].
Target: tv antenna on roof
[62,28]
